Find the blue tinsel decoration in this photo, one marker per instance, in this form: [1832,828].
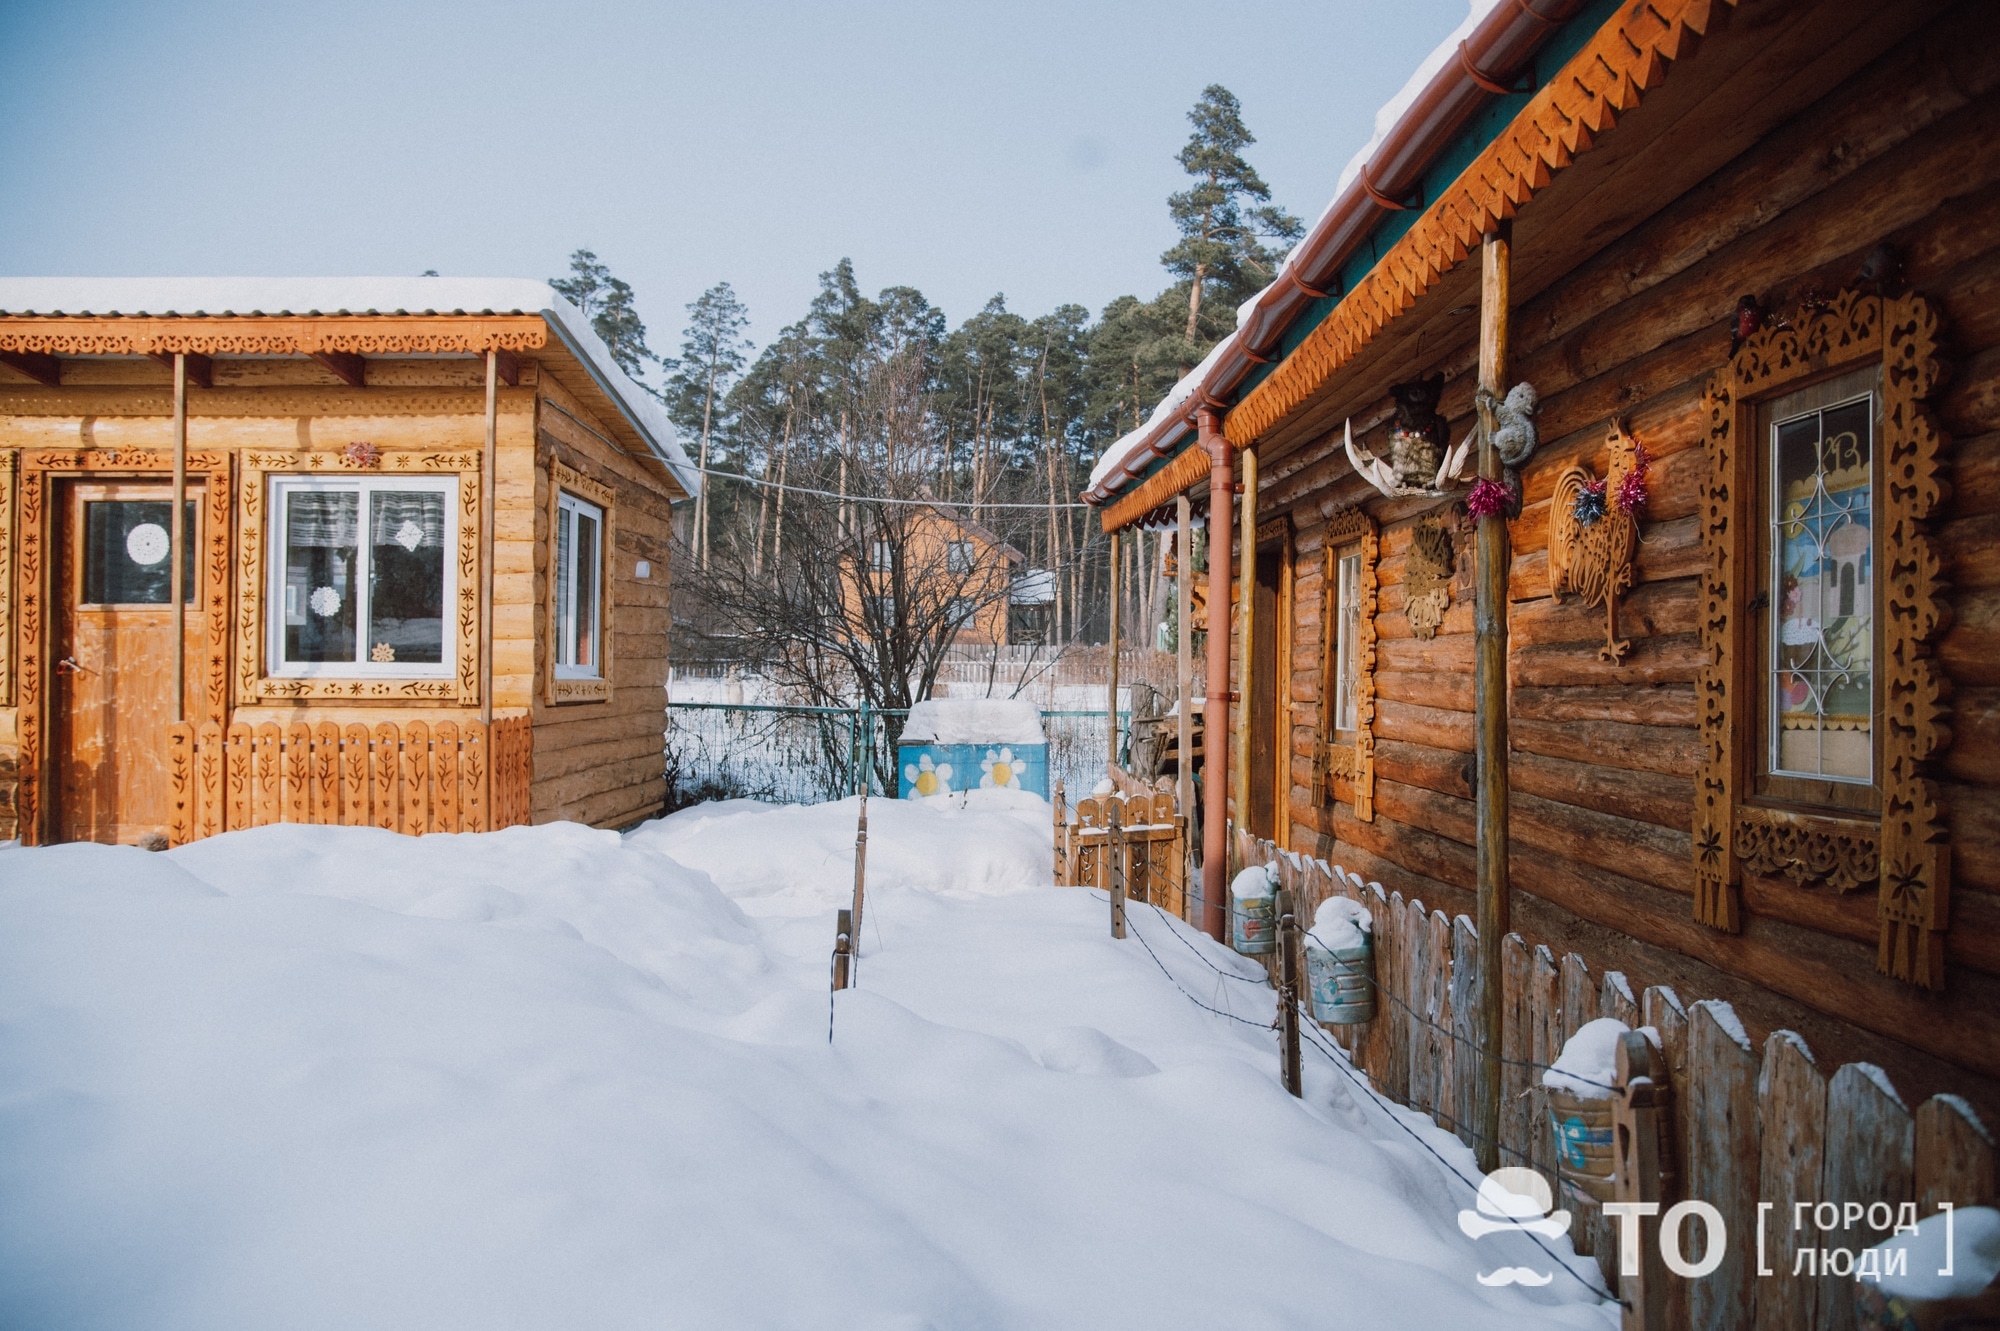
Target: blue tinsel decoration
[1589,504]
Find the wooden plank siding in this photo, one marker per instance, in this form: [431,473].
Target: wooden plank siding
[1889,132]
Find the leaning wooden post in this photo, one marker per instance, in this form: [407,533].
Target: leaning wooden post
[1111,701]
[1246,627]
[1489,621]
[489,502]
[1184,651]
[860,868]
[843,948]
[1114,854]
[1288,990]
[1215,708]
[178,536]
[1643,1098]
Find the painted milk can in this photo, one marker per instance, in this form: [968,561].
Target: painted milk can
[1340,962]
[1253,914]
[1579,1098]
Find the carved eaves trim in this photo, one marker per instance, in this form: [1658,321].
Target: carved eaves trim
[1911,839]
[1626,58]
[358,335]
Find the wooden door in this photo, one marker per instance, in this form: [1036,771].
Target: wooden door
[1267,708]
[111,673]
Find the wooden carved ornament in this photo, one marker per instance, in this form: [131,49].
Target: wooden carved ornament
[1427,577]
[1594,532]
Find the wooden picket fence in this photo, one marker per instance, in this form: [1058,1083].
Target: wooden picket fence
[1747,1128]
[460,776]
[1151,837]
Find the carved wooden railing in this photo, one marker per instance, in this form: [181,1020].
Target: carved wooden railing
[414,778]
[1151,836]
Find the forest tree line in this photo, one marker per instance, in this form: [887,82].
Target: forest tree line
[1001,418]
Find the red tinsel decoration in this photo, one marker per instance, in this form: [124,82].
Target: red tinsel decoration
[1632,490]
[1488,498]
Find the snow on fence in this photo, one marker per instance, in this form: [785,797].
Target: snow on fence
[414,778]
[807,755]
[1747,1128]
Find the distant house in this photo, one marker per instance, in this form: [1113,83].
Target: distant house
[424,553]
[936,567]
[1030,601]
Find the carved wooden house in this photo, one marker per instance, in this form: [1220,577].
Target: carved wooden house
[1750,255]
[422,544]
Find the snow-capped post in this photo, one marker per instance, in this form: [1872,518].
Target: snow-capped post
[1114,854]
[1636,1115]
[1489,623]
[843,952]
[1288,990]
[860,868]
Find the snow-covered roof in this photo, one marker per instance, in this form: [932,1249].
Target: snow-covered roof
[1175,403]
[1035,586]
[193,297]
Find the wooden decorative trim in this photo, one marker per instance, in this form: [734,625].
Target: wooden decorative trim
[1427,573]
[1628,57]
[1189,468]
[7,461]
[253,680]
[563,478]
[360,335]
[1800,848]
[32,531]
[1912,840]
[1353,763]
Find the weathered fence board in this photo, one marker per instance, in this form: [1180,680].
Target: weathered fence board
[1870,1158]
[1660,1008]
[1516,1125]
[1545,1034]
[1463,992]
[1791,1107]
[1722,1076]
[1954,1155]
[1579,997]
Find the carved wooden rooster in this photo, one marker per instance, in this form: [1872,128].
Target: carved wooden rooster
[1593,534]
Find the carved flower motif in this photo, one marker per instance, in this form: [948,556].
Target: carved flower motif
[1710,846]
[362,454]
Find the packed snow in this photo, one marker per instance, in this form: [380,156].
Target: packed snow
[973,721]
[1965,1242]
[1341,923]
[1589,1059]
[312,1077]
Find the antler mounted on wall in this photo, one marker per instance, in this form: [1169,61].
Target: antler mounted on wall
[1593,533]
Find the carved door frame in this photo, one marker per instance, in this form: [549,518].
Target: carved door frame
[1905,850]
[36,592]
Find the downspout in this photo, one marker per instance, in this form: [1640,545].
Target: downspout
[1215,706]
[1246,626]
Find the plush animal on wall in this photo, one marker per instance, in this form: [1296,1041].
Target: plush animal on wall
[1415,446]
[1513,434]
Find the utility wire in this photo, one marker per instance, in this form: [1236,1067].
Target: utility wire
[874,499]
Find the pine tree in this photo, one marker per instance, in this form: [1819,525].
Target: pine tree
[608,303]
[712,354]
[1225,217]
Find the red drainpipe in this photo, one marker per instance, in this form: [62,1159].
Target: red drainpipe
[1488,61]
[1215,711]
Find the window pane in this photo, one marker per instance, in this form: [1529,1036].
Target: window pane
[406,576]
[565,599]
[320,549]
[586,591]
[1347,675]
[1823,626]
[125,552]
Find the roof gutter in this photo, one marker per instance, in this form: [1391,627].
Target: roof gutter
[1489,60]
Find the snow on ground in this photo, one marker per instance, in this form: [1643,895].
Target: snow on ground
[305,1077]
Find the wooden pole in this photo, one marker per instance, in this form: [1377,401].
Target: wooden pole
[1111,701]
[177,533]
[1215,707]
[1489,620]
[843,951]
[488,503]
[1184,653]
[860,869]
[1246,625]
[1114,853]
[1288,991]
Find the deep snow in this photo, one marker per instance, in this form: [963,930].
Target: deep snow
[306,1077]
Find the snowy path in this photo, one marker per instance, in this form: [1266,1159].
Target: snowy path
[549,1077]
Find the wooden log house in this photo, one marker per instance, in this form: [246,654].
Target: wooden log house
[1750,726]
[423,547]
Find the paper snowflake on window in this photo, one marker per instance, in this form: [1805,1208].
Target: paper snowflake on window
[409,535]
[927,778]
[147,543]
[1001,770]
[383,652]
[325,602]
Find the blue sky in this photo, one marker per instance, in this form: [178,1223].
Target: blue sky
[963,149]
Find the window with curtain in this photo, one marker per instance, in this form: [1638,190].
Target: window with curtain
[578,588]
[361,573]
[1347,644]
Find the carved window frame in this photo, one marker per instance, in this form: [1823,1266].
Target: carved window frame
[255,682]
[567,480]
[29,531]
[1905,850]
[1351,762]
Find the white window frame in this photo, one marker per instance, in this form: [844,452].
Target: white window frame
[276,667]
[568,506]
[1346,648]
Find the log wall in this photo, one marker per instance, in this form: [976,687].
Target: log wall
[1632,323]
